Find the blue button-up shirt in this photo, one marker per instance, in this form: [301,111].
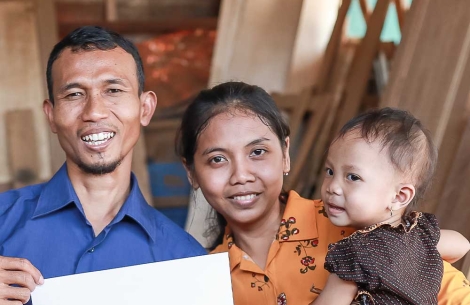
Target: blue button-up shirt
[46,224]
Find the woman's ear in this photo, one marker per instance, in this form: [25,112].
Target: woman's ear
[189,173]
[286,160]
[404,195]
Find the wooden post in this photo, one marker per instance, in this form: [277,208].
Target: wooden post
[22,147]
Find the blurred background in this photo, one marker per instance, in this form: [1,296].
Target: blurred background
[323,61]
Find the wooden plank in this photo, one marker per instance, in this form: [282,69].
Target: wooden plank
[453,212]
[322,103]
[365,9]
[361,66]
[331,50]
[111,12]
[22,147]
[437,94]
[401,10]
[47,38]
[125,27]
[139,167]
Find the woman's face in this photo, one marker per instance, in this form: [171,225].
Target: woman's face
[239,165]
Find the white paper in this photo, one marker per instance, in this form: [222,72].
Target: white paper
[201,280]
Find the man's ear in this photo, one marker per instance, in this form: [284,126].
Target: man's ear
[48,109]
[189,173]
[404,195]
[286,160]
[148,101]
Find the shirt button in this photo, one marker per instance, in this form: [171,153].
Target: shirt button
[92,250]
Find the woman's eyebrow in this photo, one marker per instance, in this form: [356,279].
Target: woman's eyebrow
[257,141]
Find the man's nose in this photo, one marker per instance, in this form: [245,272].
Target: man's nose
[95,108]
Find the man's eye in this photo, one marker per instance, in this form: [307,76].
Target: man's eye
[74,94]
[114,90]
[353,177]
[258,152]
[329,171]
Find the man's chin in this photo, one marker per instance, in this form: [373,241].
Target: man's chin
[99,169]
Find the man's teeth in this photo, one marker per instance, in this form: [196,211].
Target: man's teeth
[246,197]
[98,138]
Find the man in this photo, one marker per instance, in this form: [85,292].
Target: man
[91,215]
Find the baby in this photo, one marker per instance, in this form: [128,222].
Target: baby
[377,168]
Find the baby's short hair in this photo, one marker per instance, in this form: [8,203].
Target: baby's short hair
[408,143]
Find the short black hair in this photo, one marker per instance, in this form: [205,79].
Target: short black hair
[408,143]
[91,38]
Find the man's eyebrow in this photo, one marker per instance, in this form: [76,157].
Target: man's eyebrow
[118,81]
[69,86]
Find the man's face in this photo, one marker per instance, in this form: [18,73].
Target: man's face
[97,111]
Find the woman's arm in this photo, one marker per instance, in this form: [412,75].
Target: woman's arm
[337,292]
[452,245]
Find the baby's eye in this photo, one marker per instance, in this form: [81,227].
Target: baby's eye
[258,152]
[353,177]
[329,171]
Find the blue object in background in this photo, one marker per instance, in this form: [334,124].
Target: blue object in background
[169,180]
[356,27]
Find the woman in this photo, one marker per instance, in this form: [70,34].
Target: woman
[234,144]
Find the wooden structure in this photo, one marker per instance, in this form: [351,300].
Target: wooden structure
[430,77]
[339,94]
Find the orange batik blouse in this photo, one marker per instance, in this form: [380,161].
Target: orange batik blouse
[294,272]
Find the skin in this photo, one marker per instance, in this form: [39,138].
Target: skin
[94,92]
[241,177]
[361,185]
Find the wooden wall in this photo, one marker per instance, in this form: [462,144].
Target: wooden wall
[22,81]
[275,44]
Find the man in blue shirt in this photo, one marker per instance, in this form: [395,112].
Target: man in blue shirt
[91,215]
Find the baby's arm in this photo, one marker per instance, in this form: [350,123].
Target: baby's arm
[337,292]
[452,246]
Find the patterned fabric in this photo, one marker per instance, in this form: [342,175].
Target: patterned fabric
[294,272]
[396,265]
[282,281]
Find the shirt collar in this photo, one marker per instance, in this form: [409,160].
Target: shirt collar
[59,193]
[298,223]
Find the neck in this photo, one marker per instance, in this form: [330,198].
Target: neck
[256,239]
[101,196]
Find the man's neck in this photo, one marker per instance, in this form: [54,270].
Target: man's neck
[101,196]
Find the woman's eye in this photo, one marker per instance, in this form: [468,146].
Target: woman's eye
[353,177]
[258,152]
[217,159]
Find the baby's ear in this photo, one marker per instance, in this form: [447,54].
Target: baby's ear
[404,195]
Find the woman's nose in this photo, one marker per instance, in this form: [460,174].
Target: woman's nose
[241,173]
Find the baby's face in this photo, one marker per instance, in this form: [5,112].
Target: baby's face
[360,182]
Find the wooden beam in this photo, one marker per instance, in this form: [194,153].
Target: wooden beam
[111,12]
[22,147]
[144,27]
[361,66]
[365,10]
[401,11]
[331,50]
